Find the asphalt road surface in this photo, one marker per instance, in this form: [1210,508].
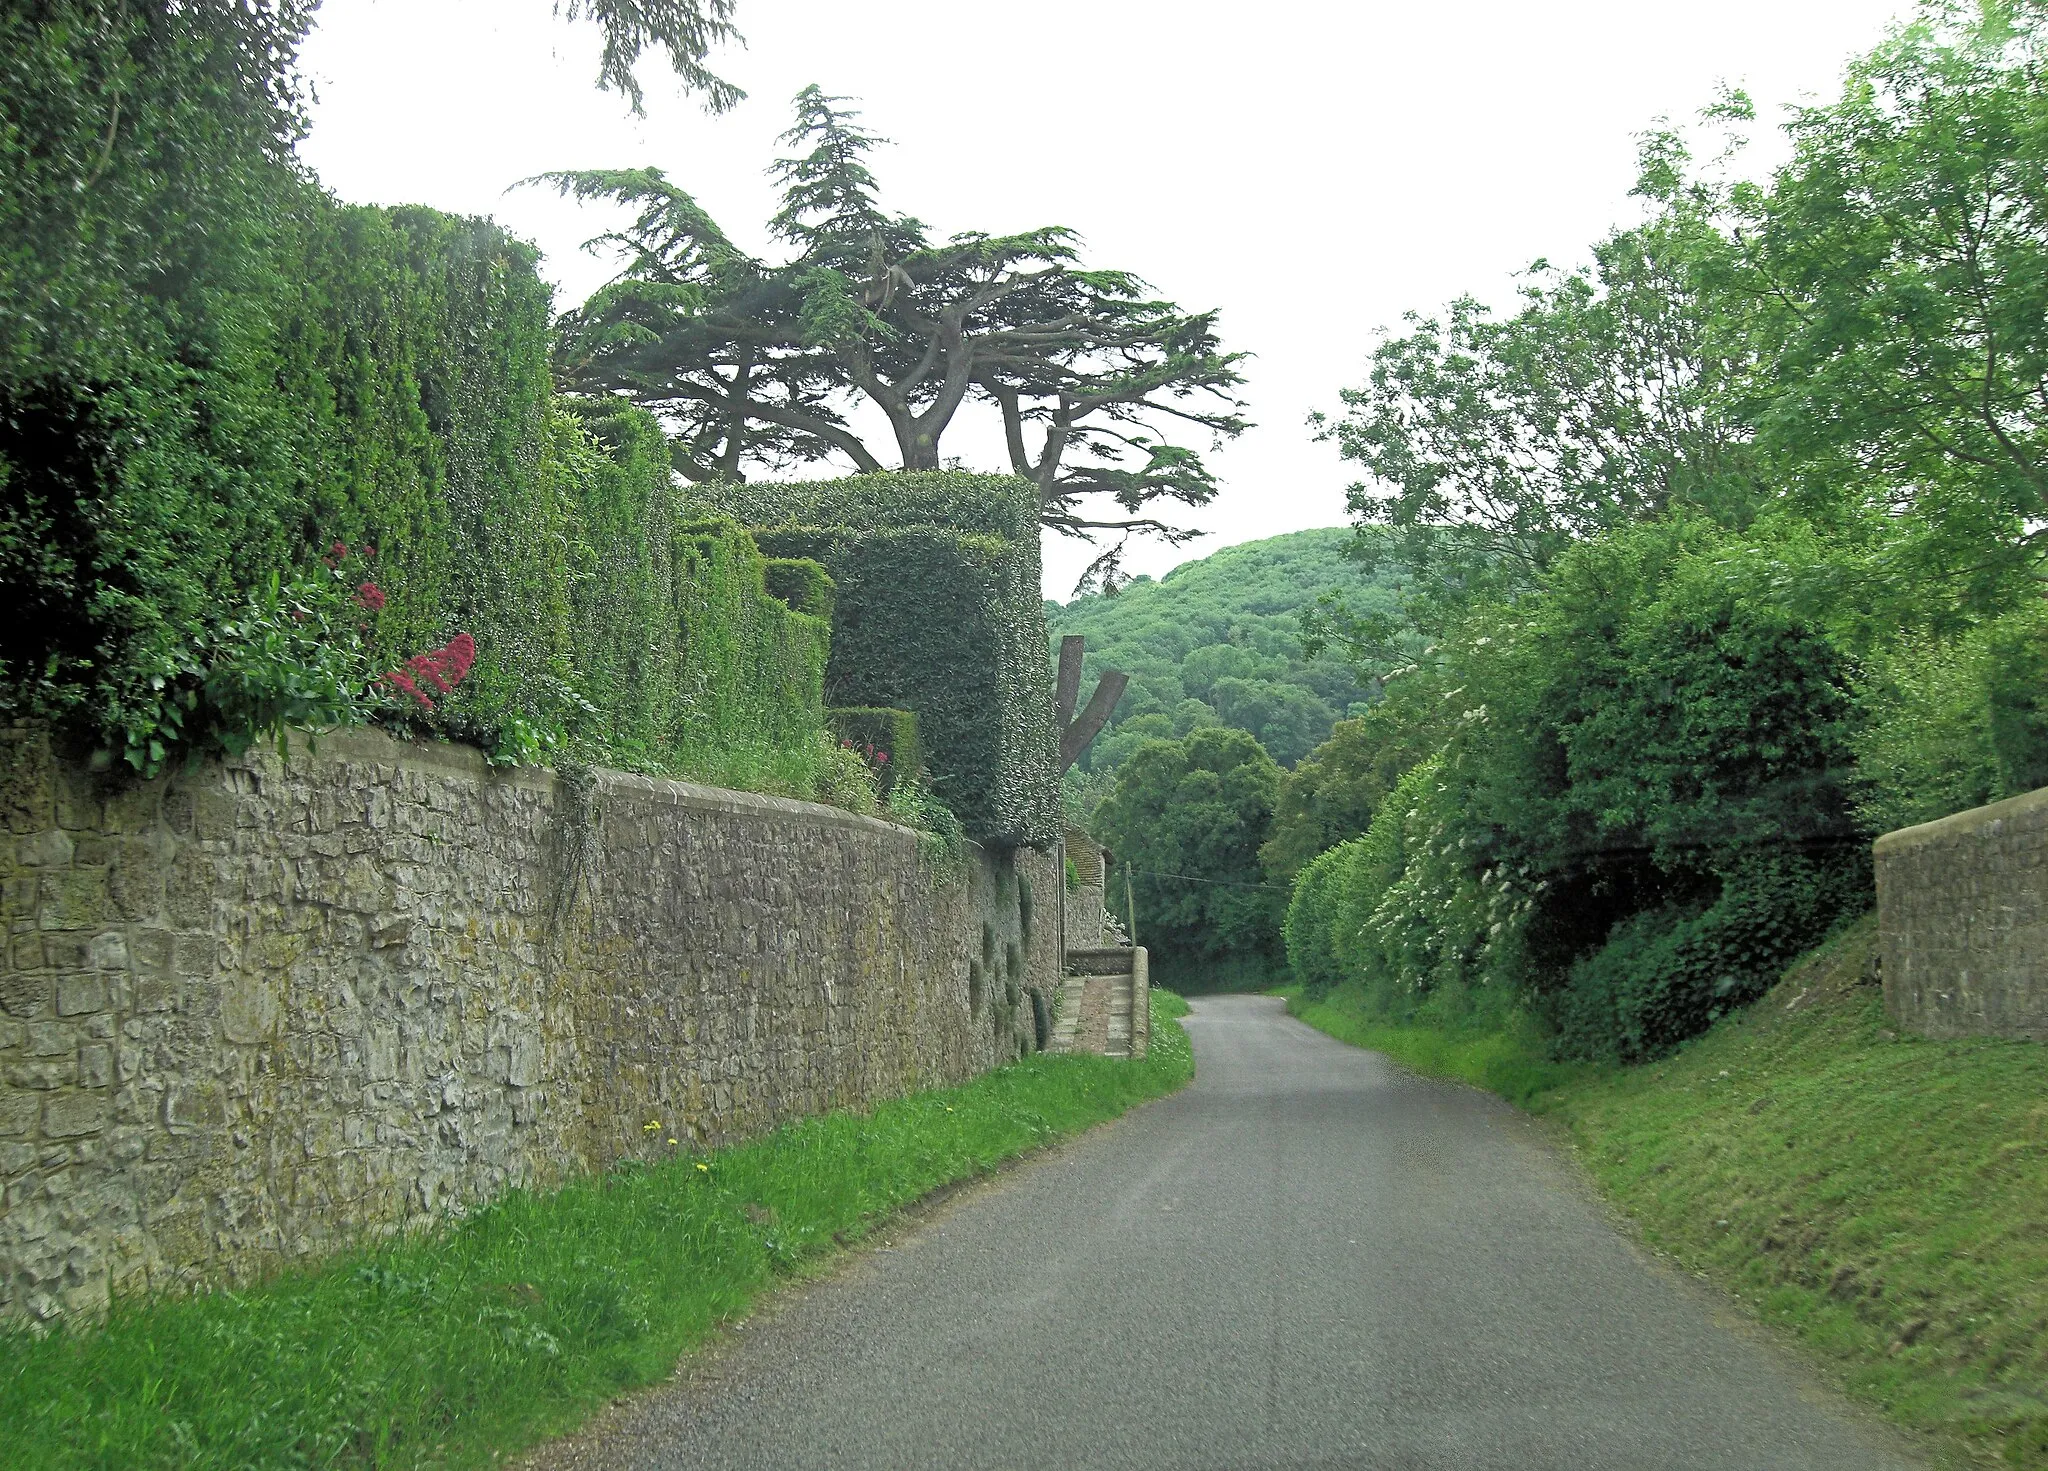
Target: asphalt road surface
[1309,1258]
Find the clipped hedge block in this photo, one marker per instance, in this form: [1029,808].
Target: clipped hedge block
[887,740]
[938,611]
[804,585]
[753,670]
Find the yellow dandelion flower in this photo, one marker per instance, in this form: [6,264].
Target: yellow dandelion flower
[704,1167]
[671,1143]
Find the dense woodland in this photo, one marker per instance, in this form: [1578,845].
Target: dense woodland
[1722,554]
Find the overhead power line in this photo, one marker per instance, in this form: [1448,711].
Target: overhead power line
[1193,879]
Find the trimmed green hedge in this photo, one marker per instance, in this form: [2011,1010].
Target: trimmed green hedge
[891,734]
[803,584]
[180,447]
[938,611]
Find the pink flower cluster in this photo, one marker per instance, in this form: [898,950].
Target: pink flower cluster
[443,668]
[875,755]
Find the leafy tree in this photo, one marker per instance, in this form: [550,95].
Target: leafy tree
[1287,719]
[1903,256]
[1651,752]
[1332,795]
[686,30]
[1492,444]
[756,363]
[1186,821]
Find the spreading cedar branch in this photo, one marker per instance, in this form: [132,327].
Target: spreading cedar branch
[685,29]
[757,365]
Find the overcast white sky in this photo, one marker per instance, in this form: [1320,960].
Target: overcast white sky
[1313,169]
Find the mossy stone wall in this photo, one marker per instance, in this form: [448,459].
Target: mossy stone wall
[255,1012]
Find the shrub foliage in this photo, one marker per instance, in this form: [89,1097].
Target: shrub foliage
[212,376]
[937,611]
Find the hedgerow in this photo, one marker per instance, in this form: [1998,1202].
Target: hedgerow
[937,611]
[218,386]
[887,740]
[1641,812]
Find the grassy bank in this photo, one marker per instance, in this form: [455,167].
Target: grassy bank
[1883,1198]
[452,1350]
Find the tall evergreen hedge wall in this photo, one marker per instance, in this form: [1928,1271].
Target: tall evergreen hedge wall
[211,372]
[938,611]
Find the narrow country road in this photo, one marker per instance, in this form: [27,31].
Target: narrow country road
[1309,1258]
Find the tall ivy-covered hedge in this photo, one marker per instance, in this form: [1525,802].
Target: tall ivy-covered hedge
[211,374]
[681,659]
[937,611]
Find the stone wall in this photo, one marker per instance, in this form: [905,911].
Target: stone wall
[263,1010]
[1962,909]
[1085,899]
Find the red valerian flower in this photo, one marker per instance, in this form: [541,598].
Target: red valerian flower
[399,680]
[371,597]
[443,668]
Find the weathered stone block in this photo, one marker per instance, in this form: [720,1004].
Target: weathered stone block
[42,1073]
[194,1105]
[249,1007]
[70,899]
[95,1066]
[194,955]
[77,995]
[28,797]
[137,884]
[73,1114]
[52,848]
[149,952]
[1963,921]
[189,889]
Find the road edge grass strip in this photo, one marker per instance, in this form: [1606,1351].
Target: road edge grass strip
[1513,1064]
[1880,1199]
[460,1347]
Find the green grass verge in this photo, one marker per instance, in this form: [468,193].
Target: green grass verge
[1883,1198]
[1511,1063]
[458,1348]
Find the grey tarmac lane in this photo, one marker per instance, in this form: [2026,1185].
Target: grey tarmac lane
[1308,1258]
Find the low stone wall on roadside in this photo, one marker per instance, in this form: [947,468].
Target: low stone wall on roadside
[264,1010]
[1962,908]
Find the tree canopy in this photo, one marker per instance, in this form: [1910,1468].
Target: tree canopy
[686,30]
[1186,820]
[757,364]
[1728,554]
